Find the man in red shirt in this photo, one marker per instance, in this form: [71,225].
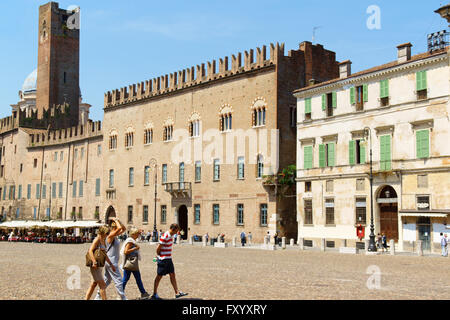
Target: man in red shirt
[165,264]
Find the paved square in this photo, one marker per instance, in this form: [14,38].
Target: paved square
[40,271]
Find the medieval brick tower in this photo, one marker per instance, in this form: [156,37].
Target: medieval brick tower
[58,63]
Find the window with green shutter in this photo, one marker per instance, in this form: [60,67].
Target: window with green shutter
[385,153]
[324,102]
[384,88]
[334,103]
[362,154]
[423,143]
[308,157]
[365,93]
[421,80]
[307,105]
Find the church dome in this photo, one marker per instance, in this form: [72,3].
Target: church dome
[30,83]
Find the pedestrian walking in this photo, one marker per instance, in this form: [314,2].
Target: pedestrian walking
[165,263]
[243,238]
[130,263]
[249,237]
[112,241]
[96,270]
[444,244]
[384,242]
[378,241]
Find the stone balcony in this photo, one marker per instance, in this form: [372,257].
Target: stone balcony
[179,189]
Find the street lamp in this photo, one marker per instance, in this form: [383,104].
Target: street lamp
[372,246]
[154,163]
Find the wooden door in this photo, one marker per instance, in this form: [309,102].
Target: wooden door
[389,221]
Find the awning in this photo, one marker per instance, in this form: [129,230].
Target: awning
[50,224]
[422,213]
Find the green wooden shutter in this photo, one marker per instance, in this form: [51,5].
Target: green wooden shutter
[308,105]
[352,152]
[334,95]
[385,153]
[423,143]
[308,157]
[352,95]
[365,93]
[384,88]
[421,80]
[324,102]
[331,147]
[424,80]
[362,154]
[322,162]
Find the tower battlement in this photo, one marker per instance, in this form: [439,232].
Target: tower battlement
[196,75]
[66,135]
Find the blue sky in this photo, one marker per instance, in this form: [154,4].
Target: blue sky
[125,42]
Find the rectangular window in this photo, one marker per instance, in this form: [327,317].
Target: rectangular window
[196,213]
[423,203]
[164,173]
[263,214]
[61,156]
[80,213]
[308,212]
[329,103]
[240,214]
[422,181]
[80,188]
[44,191]
[385,153]
[163,214]
[60,191]
[216,169]
[327,155]
[53,190]
[356,152]
[308,157]
[329,210]
[55,156]
[240,168]
[198,171]
[130,214]
[384,92]
[146,175]
[145,214]
[99,149]
[19,195]
[131,177]
[423,144]
[74,189]
[361,211]
[111,178]
[216,213]
[97,187]
[308,187]
[29,191]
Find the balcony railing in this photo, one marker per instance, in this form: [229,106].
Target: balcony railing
[178,188]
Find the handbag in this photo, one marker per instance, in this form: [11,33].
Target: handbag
[131,263]
[99,255]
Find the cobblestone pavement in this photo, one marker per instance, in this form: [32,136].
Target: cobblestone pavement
[40,271]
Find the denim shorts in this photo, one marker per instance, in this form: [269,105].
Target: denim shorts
[165,267]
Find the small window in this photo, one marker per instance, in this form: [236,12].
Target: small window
[216,169]
[240,167]
[421,85]
[113,142]
[226,122]
[216,214]
[111,178]
[34,163]
[308,186]
[260,167]
[168,133]
[129,139]
[329,103]
[164,173]
[131,177]
[361,211]
[329,209]
[240,214]
[146,175]
[308,212]
[163,214]
[145,214]
[423,202]
[130,214]
[196,214]
[263,214]
[198,171]
[194,128]
[148,136]
[422,181]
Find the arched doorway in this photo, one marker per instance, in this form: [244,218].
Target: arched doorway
[183,221]
[110,213]
[388,208]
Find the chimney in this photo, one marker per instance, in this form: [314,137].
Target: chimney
[404,52]
[345,69]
